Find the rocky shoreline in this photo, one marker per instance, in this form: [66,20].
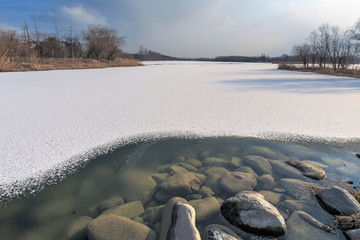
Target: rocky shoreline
[213,198]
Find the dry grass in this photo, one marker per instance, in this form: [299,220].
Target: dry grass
[348,222]
[324,70]
[43,64]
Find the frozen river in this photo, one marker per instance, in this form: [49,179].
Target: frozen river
[52,119]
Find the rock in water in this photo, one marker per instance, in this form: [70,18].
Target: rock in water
[259,164]
[252,213]
[77,230]
[338,201]
[302,226]
[265,182]
[206,209]
[112,227]
[166,215]
[353,234]
[307,169]
[358,155]
[235,182]
[219,232]
[183,223]
[181,184]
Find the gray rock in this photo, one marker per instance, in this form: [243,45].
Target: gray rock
[183,223]
[283,169]
[129,210]
[214,161]
[265,182]
[297,188]
[338,201]
[166,216]
[235,182]
[264,152]
[252,213]
[206,192]
[112,227]
[193,197]
[302,226]
[136,185]
[212,181]
[188,166]
[219,232]
[353,234]
[206,209]
[152,214]
[112,202]
[259,164]
[174,169]
[216,170]
[247,169]
[181,184]
[271,197]
[77,229]
[195,162]
[307,169]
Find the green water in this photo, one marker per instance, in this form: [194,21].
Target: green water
[49,214]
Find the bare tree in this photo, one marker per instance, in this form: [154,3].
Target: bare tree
[302,51]
[102,42]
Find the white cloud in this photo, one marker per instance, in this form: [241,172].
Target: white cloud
[6,26]
[82,16]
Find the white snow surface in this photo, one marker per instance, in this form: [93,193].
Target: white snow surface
[51,119]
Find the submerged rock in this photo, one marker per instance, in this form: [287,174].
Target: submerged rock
[271,197]
[206,192]
[252,213]
[212,181]
[129,210]
[206,209]
[214,161]
[264,152]
[265,182]
[112,227]
[216,170]
[338,201]
[219,232]
[297,188]
[353,234]
[235,182]
[112,202]
[303,226]
[181,184]
[307,169]
[283,169]
[136,184]
[152,214]
[259,164]
[77,229]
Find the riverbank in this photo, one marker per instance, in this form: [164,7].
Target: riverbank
[43,64]
[353,73]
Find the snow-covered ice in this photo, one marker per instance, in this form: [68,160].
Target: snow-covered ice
[48,118]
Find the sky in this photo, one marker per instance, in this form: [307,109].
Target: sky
[189,28]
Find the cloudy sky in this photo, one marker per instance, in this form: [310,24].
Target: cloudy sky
[189,28]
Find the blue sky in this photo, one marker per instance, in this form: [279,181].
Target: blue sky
[189,28]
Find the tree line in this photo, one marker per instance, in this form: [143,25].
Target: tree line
[330,45]
[96,42]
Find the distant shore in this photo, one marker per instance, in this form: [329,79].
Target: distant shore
[43,64]
[354,73]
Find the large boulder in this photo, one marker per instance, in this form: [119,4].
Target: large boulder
[136,184]
[219,232]
[206,209]
[181,184]
[303,226]
[235,182]
[252,213]
[259,164]
[307,169]
[112,227]
[338,201]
